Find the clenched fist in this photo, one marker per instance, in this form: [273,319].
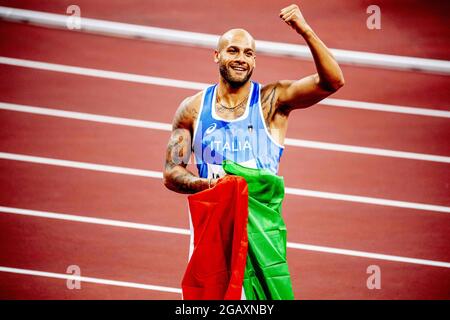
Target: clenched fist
[294,18]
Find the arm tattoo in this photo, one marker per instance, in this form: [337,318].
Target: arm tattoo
[186,182]
[194,114]
[176,176]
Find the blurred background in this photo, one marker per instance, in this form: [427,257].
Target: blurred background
[85,118]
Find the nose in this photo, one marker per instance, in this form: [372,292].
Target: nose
[240,58]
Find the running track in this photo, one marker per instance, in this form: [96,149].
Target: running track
[134,255]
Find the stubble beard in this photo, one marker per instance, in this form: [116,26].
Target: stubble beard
[233,81]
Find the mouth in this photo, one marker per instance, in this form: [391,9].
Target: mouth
[238,68]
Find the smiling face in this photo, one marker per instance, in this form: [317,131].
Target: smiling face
[235,56]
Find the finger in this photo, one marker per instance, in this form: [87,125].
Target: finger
[288,16]
[286,13]
[290,6]
[286,9]
[283,12]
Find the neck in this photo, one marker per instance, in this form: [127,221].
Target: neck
[232,95]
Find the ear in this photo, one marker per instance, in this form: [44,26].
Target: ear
[216,56]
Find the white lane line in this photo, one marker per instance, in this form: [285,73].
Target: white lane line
[384,107]
[368,200]
[156,174]
[365,150]
[210,41]
[292,245]
[369,255]
[86,116]
[182,84]
[81,165]
[113,75]
[89,279]
[167,127]
[106,222]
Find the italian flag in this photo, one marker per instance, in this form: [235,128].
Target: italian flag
[239,239]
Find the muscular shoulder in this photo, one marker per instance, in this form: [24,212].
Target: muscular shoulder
[187,112]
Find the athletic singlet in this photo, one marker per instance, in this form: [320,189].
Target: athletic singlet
[244,140]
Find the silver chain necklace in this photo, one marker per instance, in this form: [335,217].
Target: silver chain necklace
[239,105]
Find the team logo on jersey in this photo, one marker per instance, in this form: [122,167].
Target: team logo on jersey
[211,128]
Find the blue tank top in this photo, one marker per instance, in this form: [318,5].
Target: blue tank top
[244,140]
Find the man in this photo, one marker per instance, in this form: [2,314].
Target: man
[238,119]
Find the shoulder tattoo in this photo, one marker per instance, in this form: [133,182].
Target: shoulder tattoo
[268,104]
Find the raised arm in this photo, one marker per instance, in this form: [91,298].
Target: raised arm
[176,177]
[309,90]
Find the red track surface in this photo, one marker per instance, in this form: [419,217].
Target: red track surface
[409,27]
[160,258]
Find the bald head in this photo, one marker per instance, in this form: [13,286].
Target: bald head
[235,55]
[236,36]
